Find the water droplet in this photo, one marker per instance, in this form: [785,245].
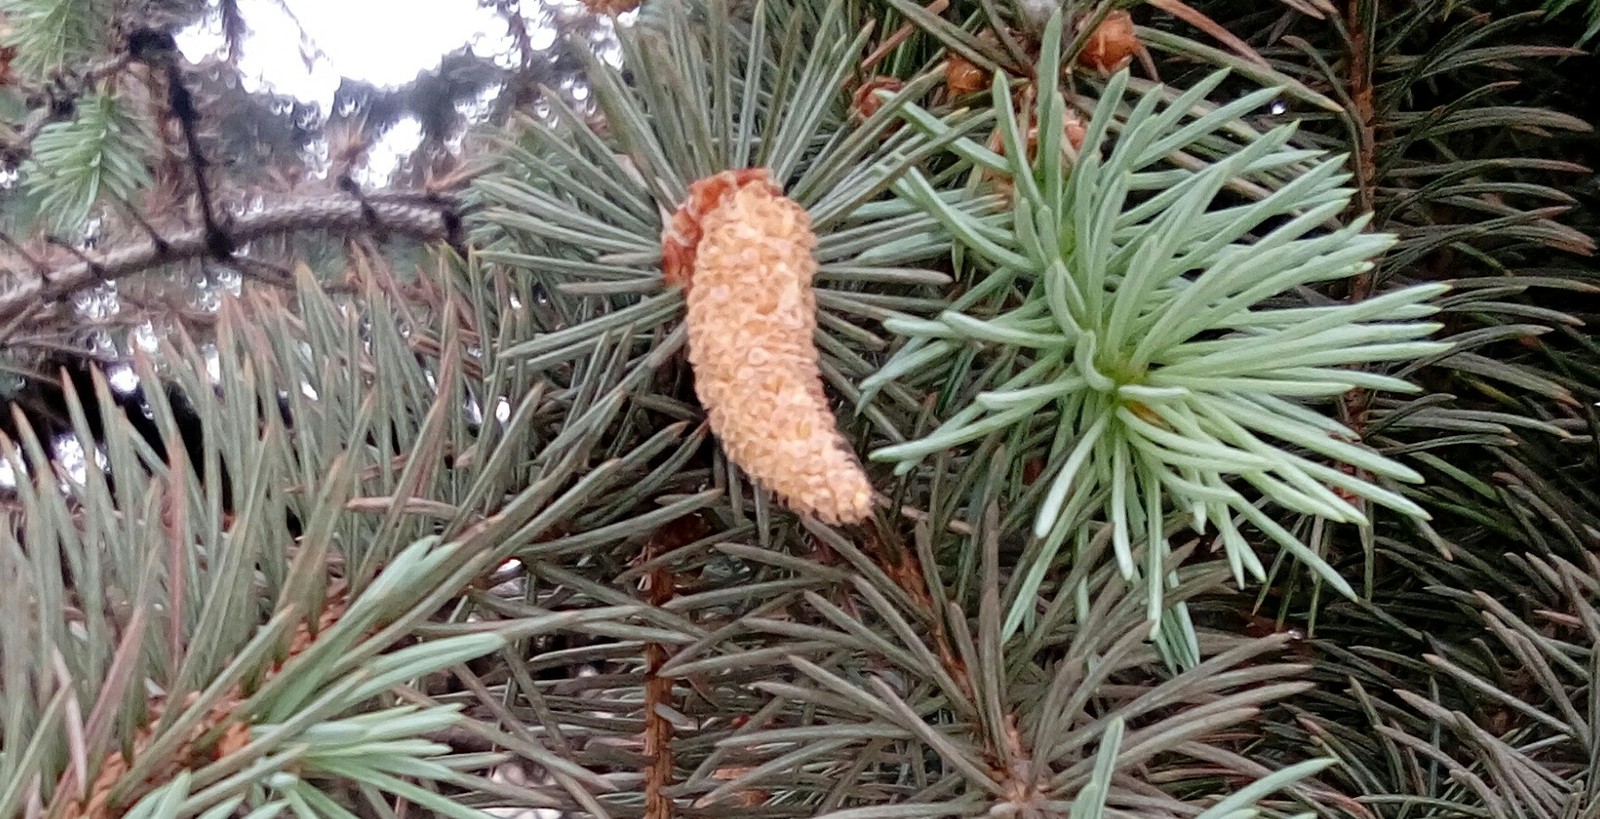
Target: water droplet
[146,337]
[98,303]
[8,476]
[69,455]
[123,379]
[213,363]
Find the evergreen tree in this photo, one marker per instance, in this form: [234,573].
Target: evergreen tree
[826,408]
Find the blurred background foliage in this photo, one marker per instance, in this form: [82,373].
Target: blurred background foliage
[479,487]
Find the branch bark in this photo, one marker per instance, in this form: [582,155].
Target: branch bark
[428,217]
[661,587]
[1358,31]
[1359,17]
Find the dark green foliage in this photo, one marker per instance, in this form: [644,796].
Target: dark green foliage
[1588,10]
[1482,147]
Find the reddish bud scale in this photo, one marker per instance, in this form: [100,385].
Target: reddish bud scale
[1073,132]
[744,253]
[864,102]
[1112,44]
[962,78]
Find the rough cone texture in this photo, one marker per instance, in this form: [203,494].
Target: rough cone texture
[743,251]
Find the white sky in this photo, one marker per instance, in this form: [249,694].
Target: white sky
[304,48]
[382,42]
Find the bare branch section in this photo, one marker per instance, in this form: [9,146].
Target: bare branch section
[427,217]
[662,585]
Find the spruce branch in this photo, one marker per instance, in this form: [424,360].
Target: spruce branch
[426,217]
[1359,16]
[1152,330]
[1021,737]
[99,153]
[659,583]
[51,36]
[55,102]
[1472,133]
[407,527]
[571,208]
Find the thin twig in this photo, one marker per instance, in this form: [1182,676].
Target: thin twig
[1217,31]
[38,266]
[954,526]
[428,218]
[1359,38]
[900,35]
[1364,159]
[661,585]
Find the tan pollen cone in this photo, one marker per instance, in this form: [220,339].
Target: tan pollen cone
[743,251]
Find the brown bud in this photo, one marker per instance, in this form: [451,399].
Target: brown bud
[962,77]
[1112,44]
[864,103]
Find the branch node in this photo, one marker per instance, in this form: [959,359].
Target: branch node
[95,268]
[148,45]
[369,214]
[162,247]
[33,261]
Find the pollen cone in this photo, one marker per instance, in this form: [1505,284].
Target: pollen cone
[744,251]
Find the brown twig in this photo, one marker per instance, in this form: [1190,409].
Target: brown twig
[426,217]
[1217,31]
[900,35]
[1359,38]
[902,566]
[657,730]
[660,585]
